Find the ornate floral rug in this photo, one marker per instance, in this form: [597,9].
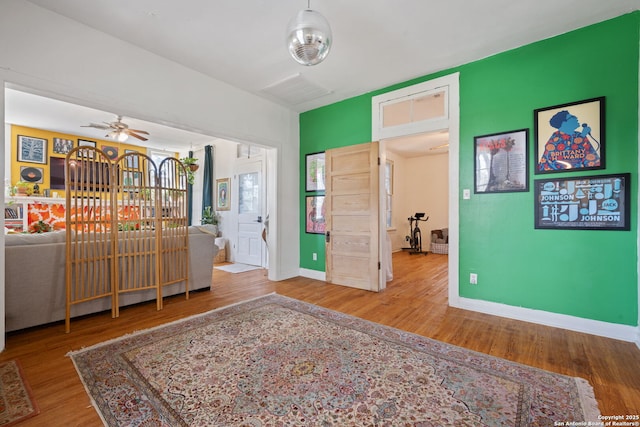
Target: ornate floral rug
[16,401]
[278,361]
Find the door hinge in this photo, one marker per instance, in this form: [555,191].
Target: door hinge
[378,161]
[379,267]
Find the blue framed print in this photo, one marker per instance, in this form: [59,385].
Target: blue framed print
[598,202]
[32,150]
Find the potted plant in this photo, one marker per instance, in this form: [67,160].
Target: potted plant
[190,163]
[191,166]
[210,220]
[23,188]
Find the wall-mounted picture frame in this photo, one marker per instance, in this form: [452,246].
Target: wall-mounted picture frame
[315,215]
[599,202]
[62,146]
[86,143]
[110,151]
[131,179]
[502,162]
[31,174]
[570,137]
[32,150]
[314,172]
[132,161]
[223,194]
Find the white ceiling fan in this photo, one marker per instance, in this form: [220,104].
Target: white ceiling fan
[118,130]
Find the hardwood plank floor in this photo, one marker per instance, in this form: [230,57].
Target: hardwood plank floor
[415,301]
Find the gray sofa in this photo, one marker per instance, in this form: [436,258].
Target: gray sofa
[35,278]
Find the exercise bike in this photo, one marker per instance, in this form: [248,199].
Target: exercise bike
[415,236]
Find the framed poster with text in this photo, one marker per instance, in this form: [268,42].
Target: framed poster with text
[570,137]
[587,203]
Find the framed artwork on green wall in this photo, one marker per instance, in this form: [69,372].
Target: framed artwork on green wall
[570,137]
[314,172]
[315,215]
[502,162]
[599,202]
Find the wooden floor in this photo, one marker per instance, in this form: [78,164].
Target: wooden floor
[415,301]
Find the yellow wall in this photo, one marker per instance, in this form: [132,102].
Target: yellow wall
[49,136]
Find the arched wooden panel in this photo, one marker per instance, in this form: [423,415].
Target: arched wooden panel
[89,248]
[136,226]
[174,260]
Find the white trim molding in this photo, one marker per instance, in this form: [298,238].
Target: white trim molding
[563,321]
[313,274]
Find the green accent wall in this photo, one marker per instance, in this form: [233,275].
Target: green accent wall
[587,274]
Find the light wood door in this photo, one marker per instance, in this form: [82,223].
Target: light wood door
[352,233]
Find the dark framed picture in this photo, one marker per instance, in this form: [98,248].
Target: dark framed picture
[570,137]
[598,202]
[62,146]
[32,150]
[315,215]
[111,152]
[502,162]
[86,143]
[314,172]
[31,174]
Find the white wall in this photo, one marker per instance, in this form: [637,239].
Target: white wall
[421,184]
[53,56]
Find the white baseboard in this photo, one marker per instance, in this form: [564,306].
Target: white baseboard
[572,323]
[313,274]
[563,321]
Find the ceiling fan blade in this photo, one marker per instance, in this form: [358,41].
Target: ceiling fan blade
[96,125]
[133,134]
[139,131]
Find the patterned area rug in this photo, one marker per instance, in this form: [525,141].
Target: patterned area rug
[16,401]
[278,361]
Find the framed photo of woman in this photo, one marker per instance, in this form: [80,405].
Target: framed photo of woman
[223,195]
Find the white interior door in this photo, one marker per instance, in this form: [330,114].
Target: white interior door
[250,191]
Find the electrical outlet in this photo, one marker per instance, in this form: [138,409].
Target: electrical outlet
[315,256]
[473,278]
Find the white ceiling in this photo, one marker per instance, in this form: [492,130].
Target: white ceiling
[376,43]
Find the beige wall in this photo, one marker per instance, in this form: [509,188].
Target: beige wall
[420,185]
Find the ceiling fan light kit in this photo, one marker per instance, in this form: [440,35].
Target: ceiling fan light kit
[309,37]
[117,135]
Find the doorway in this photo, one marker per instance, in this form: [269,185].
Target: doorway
[428,107]
[250,212]
[417,181]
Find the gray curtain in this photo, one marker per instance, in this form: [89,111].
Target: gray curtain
[207,186]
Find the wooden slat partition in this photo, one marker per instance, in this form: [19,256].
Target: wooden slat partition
[174,250]
[136,227]
[127,226]
[89,248]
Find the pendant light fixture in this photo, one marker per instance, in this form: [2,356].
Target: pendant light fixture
[309,37]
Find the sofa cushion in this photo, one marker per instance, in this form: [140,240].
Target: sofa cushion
[24,239]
